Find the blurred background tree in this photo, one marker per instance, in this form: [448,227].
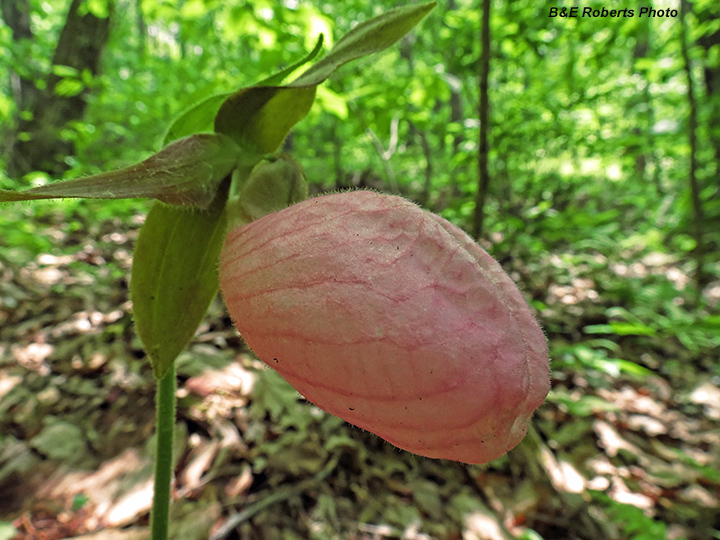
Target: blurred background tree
[51,104]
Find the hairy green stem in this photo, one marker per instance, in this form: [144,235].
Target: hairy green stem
[165,425]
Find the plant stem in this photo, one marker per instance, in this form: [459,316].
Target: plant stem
[165,425]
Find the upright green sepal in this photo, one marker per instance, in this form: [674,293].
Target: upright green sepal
[174,276]
[200,117]
[366,38]
[259,118]
[184,173]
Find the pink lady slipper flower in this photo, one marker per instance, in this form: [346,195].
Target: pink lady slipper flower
[391,318]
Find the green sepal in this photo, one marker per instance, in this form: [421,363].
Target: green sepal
[185,173]
[259,118]
[201,116]
[366,38]
[174,276]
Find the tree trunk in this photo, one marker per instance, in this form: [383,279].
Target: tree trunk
[39,145]
[141,28]
[483,106]
[16,14]
[712,77]
[454,67]
[645,151]
[423,199]
[698,215]
[456,108]
[340,182]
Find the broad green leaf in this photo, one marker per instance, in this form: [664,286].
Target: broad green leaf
[259,118]
[185,173]
[200,117]
[366,38]
[174,276]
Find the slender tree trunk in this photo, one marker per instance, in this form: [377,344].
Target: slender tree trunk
[460,171]
[698,217]
[456,108]
[337,158]
[141,28]
[39,146]
[406,52]
[424,199]
[483,106]
[645,152]
[16,14]
[386,155]
[456,111]
[712,79]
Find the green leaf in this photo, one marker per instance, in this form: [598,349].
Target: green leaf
[174,276]
[185,173]
[69,87]
[620,329]
[259,118]
[631,329]
[64,71]
[366,38]
[626,366]
[99,8]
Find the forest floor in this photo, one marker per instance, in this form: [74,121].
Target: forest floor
[623,449]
